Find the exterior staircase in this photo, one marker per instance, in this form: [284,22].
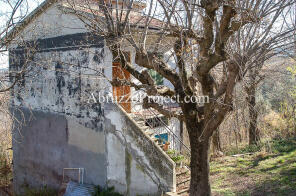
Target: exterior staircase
[183,181]
[182,172]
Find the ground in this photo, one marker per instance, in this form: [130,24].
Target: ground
[259,173]
[267,170]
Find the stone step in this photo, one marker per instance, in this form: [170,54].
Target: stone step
[182,171]
[183,191]
[149,132]
[160,144]
[170,194]
[141,123]
[145,128]
[182,181]
[136,117]
[154,139]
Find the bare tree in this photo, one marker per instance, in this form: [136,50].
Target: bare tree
[197,35]
[255,44]
[12,17]
[12,13]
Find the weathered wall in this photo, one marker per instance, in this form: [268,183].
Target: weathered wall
[62,128]
[140,166]
[58,127]
[49,142]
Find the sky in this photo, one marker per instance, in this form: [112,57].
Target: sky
[26,7]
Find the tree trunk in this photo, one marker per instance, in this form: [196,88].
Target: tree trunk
[254,137]
[200,183]
[216,142]
[181,134]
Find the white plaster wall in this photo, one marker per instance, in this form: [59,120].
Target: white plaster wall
[116,175]
[137,182]
[126,165]
[141,183]
[51,23]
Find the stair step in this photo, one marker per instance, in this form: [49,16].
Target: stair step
[136,117]
[154,139]
[182,191]
[141,123]
[145,127]
[150,133]
[139,119]
[184,181]
[182,171]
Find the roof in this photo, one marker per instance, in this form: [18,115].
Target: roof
[137,20]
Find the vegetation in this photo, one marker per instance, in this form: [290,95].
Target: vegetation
[43,191]
[220,49]
[177,157]
[5,173]
[105,192]
[209,61]
[260,173]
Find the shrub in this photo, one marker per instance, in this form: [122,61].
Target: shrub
[175,156]
[44,191]
[105,192]
[5,170]
[276,145]
[245,149]
[283,145]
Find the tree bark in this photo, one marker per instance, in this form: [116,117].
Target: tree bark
[200,183]
[216,142]
[254,136]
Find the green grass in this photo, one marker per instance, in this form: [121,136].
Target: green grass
[262,173]
[273,146]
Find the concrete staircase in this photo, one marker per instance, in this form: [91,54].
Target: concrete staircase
[182,173]
[146,128]
[183,181]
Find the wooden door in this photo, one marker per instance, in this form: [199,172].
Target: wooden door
[121,93]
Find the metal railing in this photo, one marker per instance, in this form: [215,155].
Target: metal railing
[158,126]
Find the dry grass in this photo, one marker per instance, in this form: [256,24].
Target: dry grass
[5,146]
[259,174]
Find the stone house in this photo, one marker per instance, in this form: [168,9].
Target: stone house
[61,133]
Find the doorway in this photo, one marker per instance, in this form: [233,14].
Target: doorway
[121,93]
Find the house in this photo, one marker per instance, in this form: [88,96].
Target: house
[62,132]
